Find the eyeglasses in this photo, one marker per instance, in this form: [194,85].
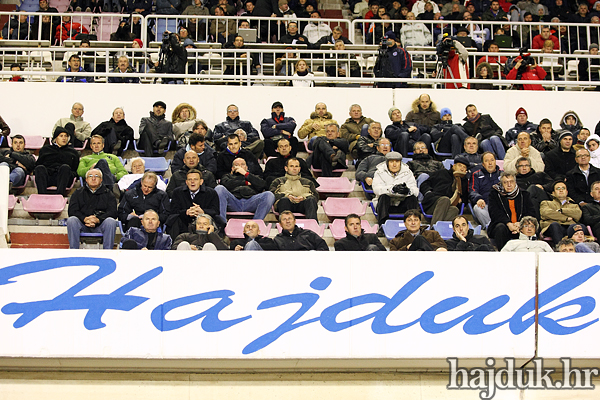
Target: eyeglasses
[583,156]
[232,111]
[523,165]
[94,176]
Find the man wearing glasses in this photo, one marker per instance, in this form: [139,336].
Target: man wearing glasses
[580,178]
[231,124]
[538,184]
[92,208]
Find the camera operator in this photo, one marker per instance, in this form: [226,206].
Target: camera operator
[452,60]
[393,62]
[525,68]
[172,58]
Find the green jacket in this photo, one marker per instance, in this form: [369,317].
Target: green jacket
[114,164]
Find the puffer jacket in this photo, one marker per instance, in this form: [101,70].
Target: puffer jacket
[307,131]
[428,117]
[181,126]
[384,181]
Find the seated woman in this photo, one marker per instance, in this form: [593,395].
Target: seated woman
[116,132]
[203,237]
[484,71]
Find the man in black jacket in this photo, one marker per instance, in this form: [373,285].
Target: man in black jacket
[403,134]
[174,57]
[562,159]
[275,167]
[191,200]
[329,151]
[191,161]
[463,238]
[18,160]
[232,123]
[591,210]
[232,151]
[155,131]
[356,239]
[207,156]
[294,238]
[367,145]
[58,162]
[92,208]
[580,178]
[145,196]
[278,127]
[252,240]
[242,191]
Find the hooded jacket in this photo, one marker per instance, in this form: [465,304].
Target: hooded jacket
[307,131]
[595,154]
[52,157]
[181,126]
[428,117]
[574,129]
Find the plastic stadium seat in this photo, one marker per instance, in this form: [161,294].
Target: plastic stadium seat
[337,172]
[82,146]
[461,209]
[448,163]
[337,207]
[500,164]
[155,151]
[338,231]
[391,227]
[240,214]
[439,153]
[53,188]
[296,214]
[339,185]
[31,142]
[19,189]
[309,151]
[44,205]
[97,236]
[444,228]
[235,228]
[123,160]
[369,194]
[164,24]
[308,224]
[12,200]
[156,164]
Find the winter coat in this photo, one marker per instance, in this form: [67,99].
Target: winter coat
[512,133]
[82,128]
[275,168]
[514,153]
[208,159]
[307,131]
[114,164]
[404,238]
[424,164]
[415,34]
[243,186]
[351,130]
[52,157]
[199,240]
[134,200]
[11,157]
[121,130]
[554,211]
[181,201]
[225,162]
[394,130]
[281,123]
[525,244]
[300,240]
[181,126]
[368,166]
[558,162]
[574,129]
[101,203]
[500,212]
[484,128]
[535,178]
[440,184]
[384,181]
[530,74]
[481,183]
[473,243]
[229,126]
[265,242]
[160,127]
[418,116]
[353,243]
[140,236]
[578,187]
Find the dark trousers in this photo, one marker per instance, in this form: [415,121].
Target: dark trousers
[502,235]
[61,178]
[556,231]
[384,207]
[405,143]
[321,157]
[107,177]
[420,244]
[452,142]
[150,141]
[537,195]
[307,207]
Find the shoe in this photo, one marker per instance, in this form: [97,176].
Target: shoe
[380,232]
[162,146]
[338,157]
[117,146]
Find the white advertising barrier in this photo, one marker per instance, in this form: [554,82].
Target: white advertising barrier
[265,305]
[568,317]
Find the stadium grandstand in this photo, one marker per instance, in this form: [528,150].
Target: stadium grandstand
[520,78]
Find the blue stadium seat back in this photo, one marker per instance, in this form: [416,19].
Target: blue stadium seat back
[448,163]
[391,227]
[163,24]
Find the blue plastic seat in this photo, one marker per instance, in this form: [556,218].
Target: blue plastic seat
[448,163]
[444,228]
[461,209]
[392,216]
[391,227]
[156,164]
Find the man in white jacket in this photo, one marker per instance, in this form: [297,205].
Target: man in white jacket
[395,187]
[523,148]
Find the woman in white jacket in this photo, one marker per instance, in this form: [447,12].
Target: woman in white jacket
[303,72]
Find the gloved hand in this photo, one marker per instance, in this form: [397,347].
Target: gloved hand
[401,188]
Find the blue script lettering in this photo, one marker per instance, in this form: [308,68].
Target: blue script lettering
[95,304]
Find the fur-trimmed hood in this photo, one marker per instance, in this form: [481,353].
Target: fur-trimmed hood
[416,108]
[175,116]
[314,115]
[573,114]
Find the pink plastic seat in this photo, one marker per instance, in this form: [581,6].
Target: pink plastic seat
[339,185]
[310,224]
[82,146]
[336,172]
[339,207]
[240,214]
[500,164]
[12,200]
[276,213]
[31,142]
[44,205]
[235,228]
[53,188]
[19,189]
[338,231]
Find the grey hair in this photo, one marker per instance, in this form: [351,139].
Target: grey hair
[527,220]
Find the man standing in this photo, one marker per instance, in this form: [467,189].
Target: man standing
[315,126]
[351,130]
[234,150]
[190,201]
[294,193]
[275,167]
[356,239]
[231,124]
[562,159]
[145,196]
[367,145]
[522,125]
[92,208]
[396,63]
[241,190]
[417,237]
[147,237]
[329,151]
[395,187]
[18,160]
[580,178]
[57,163]
[110,165]
[156,132]
[294,238]
[366,169]
[83,130]
[278,127]
[523,148]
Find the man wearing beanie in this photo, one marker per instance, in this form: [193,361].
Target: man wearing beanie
[395,187]
[57,163]
[276,128]
[522,125]
[562,159]
[156,132]
[448,137]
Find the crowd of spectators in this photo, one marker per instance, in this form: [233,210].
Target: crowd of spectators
[528,182]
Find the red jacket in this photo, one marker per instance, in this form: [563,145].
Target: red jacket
[538,42]
[531,74]
[69,30]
